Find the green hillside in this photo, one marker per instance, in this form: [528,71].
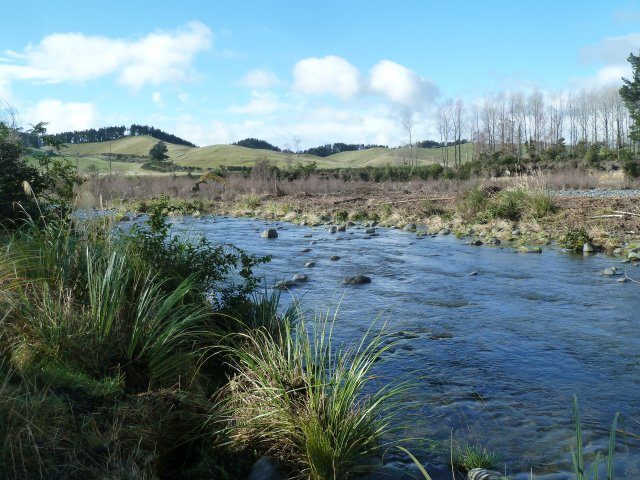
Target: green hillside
[135,146]
[92,156]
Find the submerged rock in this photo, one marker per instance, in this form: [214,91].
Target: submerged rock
[357,280]
[270,233]
[267,468]
[300,278]
[334,258]
[305,250]
[310,264]
[333,229]
[370,231]
[342,228]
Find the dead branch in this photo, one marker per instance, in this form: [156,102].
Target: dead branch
[629,278]
[627,213]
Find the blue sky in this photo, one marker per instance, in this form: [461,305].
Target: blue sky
[218,71]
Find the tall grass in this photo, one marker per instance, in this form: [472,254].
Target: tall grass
[578,456]
[302,398]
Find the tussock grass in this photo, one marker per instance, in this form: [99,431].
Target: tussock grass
[302,398]
[514,203]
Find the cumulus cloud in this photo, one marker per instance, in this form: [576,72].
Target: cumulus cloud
[260,78]
[62,117]
[400,84]
[155,58]
[260,103]
[328,74]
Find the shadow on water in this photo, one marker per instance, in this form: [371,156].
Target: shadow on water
[495,356]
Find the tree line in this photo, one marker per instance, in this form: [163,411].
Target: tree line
[533,125]
[106,134]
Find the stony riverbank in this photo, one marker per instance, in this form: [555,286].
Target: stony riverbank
[596,214]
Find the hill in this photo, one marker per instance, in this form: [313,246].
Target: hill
[135,150]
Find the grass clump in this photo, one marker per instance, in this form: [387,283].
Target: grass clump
[249,202]
[468,457]
[574,239]
[301,398]
[484,204]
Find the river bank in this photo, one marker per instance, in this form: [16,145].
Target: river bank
[608,220]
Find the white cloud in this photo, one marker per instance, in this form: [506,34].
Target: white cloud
[260,103]
[156,98]
[612,49]
[400,84]
[260,78]
[62,117]
[156,58]
[315,126]
[184,97]
[328,74]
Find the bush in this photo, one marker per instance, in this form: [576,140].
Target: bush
[632,167]
[574,239]
[27,191]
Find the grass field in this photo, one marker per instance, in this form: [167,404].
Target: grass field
[90,156]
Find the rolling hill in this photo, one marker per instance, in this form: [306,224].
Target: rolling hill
[92,156]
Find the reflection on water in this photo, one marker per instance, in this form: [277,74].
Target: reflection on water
[496,356]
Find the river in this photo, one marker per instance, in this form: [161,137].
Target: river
[495,357]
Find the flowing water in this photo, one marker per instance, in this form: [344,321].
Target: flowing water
[495,357]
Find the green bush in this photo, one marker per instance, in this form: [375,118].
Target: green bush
[574,239]
[632,167]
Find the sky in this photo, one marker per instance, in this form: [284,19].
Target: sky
[298,73]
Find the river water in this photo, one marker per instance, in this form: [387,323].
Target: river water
[495,357]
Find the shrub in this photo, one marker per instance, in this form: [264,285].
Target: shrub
[574,239]
[632,167]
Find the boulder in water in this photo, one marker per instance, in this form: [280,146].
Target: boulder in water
[270,233]
[357,280]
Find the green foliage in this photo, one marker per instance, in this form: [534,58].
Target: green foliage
[341,216]
[577,454]
[212,268]
[510,204]
[592,157]
[469,457]
[249,202]
[631,167]
[630,93]
[27,191]
[158,152]
[299,397]
[574,239]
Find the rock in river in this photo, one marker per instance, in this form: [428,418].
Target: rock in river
[483,474]
[267,468]
[334,258]
[305,250]
[370,231]
[310,264]
[300,278]
[588,248]
[270,233]
[633,256]
[357,280]
[410,227]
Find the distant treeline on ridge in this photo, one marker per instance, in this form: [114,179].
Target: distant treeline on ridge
[114,133]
